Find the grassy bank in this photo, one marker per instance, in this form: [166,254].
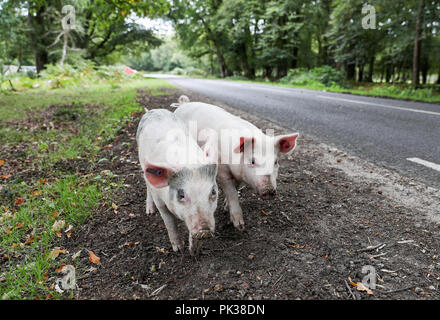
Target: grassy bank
[42,197]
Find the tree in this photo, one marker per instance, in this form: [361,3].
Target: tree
[107,26]
[418,44]
[196,25]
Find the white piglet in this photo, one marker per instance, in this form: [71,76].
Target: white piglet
[245,153]
[180,178]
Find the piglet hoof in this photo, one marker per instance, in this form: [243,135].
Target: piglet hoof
[238,222]
[177,247]
[151,209]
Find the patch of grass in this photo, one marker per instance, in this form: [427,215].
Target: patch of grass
[29,229]
[84,120]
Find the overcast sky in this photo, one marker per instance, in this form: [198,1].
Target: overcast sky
[158,26]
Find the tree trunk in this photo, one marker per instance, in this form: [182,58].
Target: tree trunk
[325,46]
[425,68]
[267,72]
[388,73]
[418,44]
[424,75]
[438,79]
[295,57]
[281,71]
[222,65]
[39,45]
[351,71]
[361,73]
[371,69]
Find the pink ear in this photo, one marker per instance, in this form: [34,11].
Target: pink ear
[157,176]
[243,141]
[286,143]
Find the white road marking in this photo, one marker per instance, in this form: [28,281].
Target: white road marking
[425,163]
[382,105]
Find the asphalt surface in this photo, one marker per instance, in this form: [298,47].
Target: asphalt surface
[384,131]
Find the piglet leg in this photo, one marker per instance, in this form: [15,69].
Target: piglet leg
[227,184]
[170,224]
[151,207]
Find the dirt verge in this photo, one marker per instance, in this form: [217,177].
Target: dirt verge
[319,233]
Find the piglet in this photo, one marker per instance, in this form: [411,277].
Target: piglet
[180,177]
[245,153]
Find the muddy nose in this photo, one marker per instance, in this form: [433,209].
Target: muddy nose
[204,227]
[268,195]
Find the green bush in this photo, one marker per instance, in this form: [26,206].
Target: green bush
[321,76]
[190,71]
[178,71]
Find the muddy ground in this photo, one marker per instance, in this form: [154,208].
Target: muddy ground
[319,233]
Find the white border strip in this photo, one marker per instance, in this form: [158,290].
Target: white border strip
[382,105]
[425,163]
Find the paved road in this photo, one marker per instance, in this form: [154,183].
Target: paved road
[384,131]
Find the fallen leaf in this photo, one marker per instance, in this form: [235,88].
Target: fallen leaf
[2,162]
[218,287]
[56,252]
[94,258]
[54,213]
[131,244]
[114,206]
[36,193]
[69,231]
[6,176]
[30,239]
[360,287]
[351,282]
[91,269]
[19,225]
[58,225]
[263,213]
[42,181]
[18,202]
[76,255]
[161,250]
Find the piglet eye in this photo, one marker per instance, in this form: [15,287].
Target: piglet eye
[253,161]
[180,194]
[213,192]
[276,162]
